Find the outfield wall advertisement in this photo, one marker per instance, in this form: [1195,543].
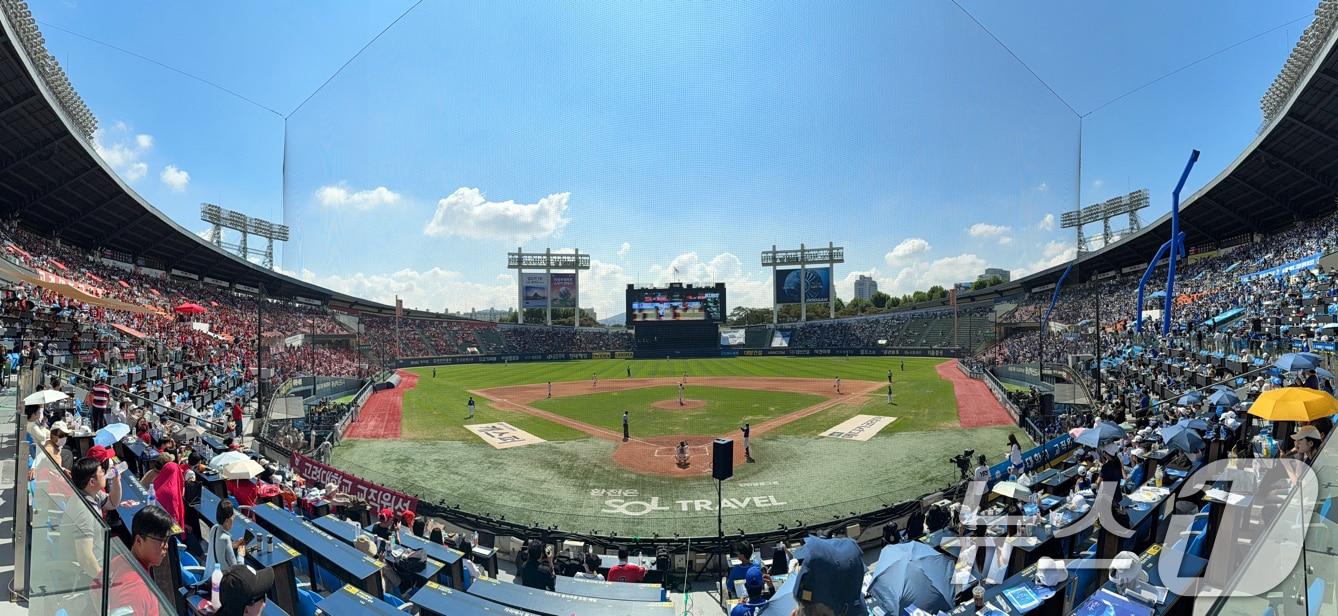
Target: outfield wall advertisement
[414,362]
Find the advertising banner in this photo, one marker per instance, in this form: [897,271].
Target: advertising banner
[353,486]
[562,288]
[1286,268]
[816,285]
[1036,457]
[534,290]
[502,435]
[860,427]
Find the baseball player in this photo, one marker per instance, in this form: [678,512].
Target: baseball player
[550,389]
[889,393]
[747,453]
[838,385]
[471,408]
[680,394]
[626,435]
[594,380]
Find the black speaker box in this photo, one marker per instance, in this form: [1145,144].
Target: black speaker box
[722,459]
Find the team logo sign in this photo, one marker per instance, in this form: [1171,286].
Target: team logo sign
[860,427]
[502,435]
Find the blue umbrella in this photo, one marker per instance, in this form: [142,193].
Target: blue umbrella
[1190,399]
[1223,397]
[1298,361]
[1157,294]
[1193,424]
[912,573]
[1181,438]
[1322,373]
[108,435]
[1104,432]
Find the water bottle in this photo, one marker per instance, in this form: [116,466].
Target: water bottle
[151,499]
[215,579]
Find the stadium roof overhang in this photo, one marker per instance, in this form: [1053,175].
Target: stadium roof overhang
[1289,172]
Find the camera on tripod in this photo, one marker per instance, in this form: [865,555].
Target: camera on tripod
[963,462]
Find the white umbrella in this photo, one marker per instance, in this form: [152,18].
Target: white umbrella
[46,396]
[1012,489]
[190,432]
[243,469]
[228,457]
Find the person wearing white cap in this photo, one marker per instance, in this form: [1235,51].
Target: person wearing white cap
[55,444]
[1305,439]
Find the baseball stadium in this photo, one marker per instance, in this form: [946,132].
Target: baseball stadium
[431,308]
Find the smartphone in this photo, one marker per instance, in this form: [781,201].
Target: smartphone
[248,537]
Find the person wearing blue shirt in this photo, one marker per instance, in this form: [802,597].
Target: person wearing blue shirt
[744,552]
[759,588]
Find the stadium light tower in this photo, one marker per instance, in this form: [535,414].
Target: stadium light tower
[227,219]
[1116,206]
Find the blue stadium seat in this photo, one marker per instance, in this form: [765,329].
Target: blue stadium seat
[192,574]
[1083,581]
[1314,597]
[306,602]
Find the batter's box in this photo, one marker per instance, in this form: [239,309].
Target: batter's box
[693,450]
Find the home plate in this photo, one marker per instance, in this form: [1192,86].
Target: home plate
[502,435]
[860,427]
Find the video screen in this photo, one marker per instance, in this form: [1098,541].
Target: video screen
[673,305]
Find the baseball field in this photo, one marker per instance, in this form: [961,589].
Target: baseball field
[546,444]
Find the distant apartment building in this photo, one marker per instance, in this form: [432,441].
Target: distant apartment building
[865,287]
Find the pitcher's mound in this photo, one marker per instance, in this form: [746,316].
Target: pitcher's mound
[673,405]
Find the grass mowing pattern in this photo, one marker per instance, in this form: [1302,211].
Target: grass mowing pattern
[726,409]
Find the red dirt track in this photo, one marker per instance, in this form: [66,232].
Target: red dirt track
[976,405]
[380,417]
[655,455]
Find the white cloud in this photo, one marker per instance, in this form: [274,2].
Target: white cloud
[175,179]
[339,195]
[123,151]
[624,249]
[467,213]
[746,288]
[1054,253]
[1047,223]
[1043,187]
[986,230]
[907,250]
[1098,183]
[944,272]
[981,229]
[435,289]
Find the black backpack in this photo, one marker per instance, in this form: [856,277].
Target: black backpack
[411,562]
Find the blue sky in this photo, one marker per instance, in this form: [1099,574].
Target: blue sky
[664,137]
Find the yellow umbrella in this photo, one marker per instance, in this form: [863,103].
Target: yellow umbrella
[1294,404]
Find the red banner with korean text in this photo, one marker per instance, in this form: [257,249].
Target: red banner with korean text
[377,495]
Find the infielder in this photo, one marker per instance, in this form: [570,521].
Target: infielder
[889,393]
[550,389]
[594,380]
[838,385]
[680,394]
[625,433]
[471,408]
[747,453]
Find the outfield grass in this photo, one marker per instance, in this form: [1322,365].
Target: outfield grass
[726,409]
[435,409]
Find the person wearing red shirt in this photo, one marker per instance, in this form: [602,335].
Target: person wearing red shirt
[244,490]
[151,529]
[237,415]
[625,572]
